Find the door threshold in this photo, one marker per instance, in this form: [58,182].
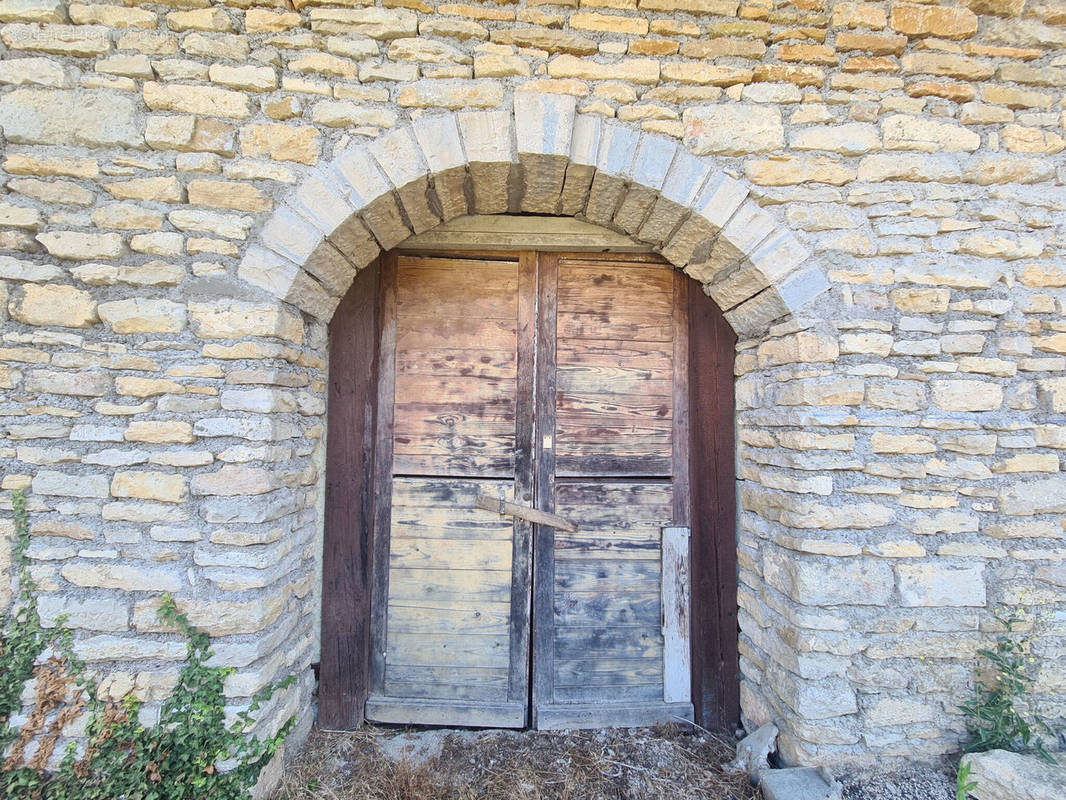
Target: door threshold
[452,713]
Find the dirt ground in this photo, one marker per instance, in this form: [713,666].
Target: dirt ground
[670,763]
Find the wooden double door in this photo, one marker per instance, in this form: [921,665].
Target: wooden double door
[508,494]
[529,383]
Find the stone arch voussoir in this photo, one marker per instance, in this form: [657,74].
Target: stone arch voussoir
[542,157]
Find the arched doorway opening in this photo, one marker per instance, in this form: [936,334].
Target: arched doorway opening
[520,443]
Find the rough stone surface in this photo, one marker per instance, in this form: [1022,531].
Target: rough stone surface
[875,191]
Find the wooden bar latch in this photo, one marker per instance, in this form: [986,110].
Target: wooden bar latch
[506,509]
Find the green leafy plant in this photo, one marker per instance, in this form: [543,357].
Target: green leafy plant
[963,784]
[178,758]
[993,718]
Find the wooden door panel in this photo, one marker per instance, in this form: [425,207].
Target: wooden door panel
[453,638]
[614,417]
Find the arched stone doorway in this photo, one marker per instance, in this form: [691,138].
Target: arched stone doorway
[564,386]
[542,158]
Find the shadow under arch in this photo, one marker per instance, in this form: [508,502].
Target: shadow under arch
[542,157]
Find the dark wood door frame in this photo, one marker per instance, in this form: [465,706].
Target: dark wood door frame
[349,551]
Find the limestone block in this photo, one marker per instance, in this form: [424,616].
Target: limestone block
[903,132]
[208,101]
[882,442]
[159,432]
[850,139]
[552,41]
[442,148]
[78,384]
[399,157]
[231,481]
[735,129]
[102,614]
[355,242]
[234,195]
[1047,496]
[237,320]
[37,72]
[85,118]
[186,133]
[487,138]
[788,296]
[52,304]
[50,482]
[500,65]
[938,585]
[83,41]
[967,395]
[376,23]
[148,485]
[1003,775]
[820,581]
[888,711]
[543,127]
[260,401]
[216,618]
[33,11]
[952,22]
[143,315]
[451,94]
[248,78]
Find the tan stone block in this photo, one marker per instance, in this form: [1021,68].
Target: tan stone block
[201,19]
[546,39]
[61,484]
[128,217]
[821,392]
[940,585]
[215,46]
[725,8]
[373,22]
[634,70]
[653,47]
[902,443]
[262,20]
[217,618]
[733,129]
[947,65]
[859,15]
[801,76]
[156,43]
[159,432]
[159,190]
[493,65]
[33,11]
[126,577]
[1016,98]
[609,23]
[705,74]
[208,101]
[63,306]
[112,16]
[232,481]
[78,117]
[187,133]
[710,49]
[246,77]
[808,53]
[237,320]
[452,95]
[280,142]
[967,395]
[955,92]
[1020,139]
[325,64]
[879,44]
[143,315]
[951,22]
[162,486]
[851,138]
[903,132]
[228,194]
[130,386]
[1028,462]
[460,29]
[83,41]
[476,12]
[52,192]
[77,384]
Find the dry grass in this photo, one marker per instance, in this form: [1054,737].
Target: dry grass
[618,764]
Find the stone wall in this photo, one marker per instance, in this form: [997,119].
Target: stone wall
[902,435]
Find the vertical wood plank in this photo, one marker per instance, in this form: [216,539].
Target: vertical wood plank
[677,664]
[525,431]
[715,667]
[544,450]
[348,534]
[383,470]
[682,498]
